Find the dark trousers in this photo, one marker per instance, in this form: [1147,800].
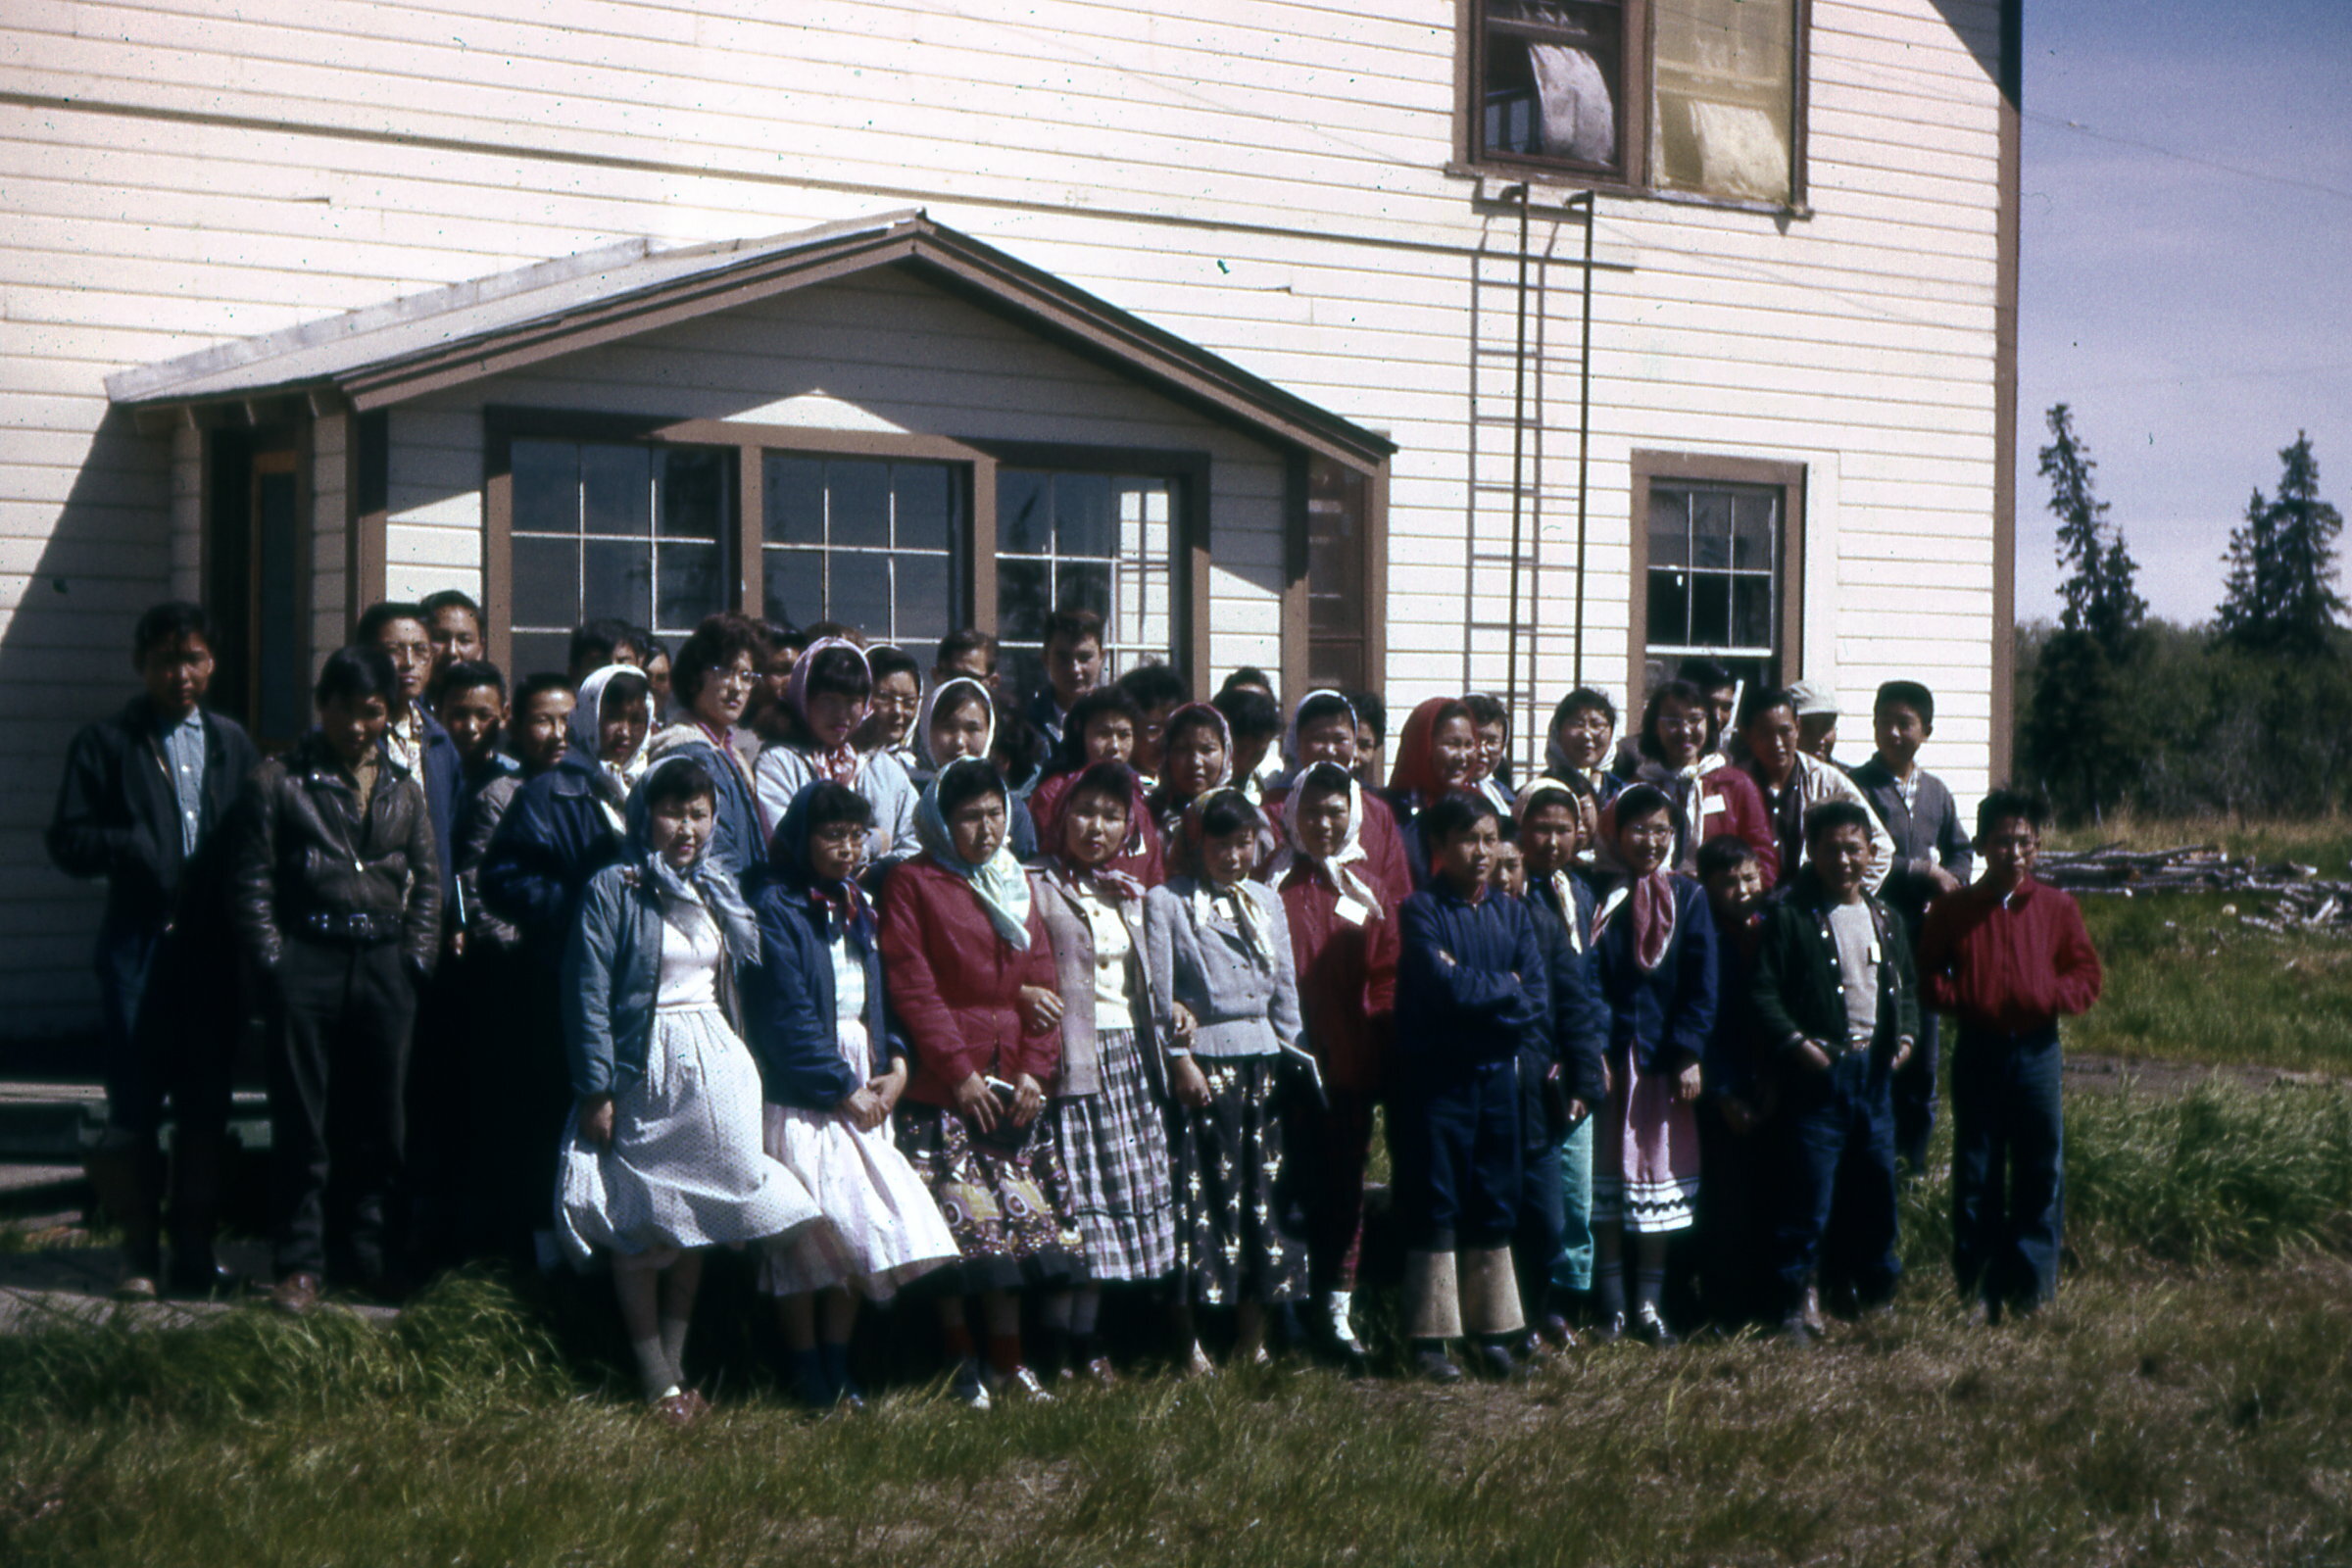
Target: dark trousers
[1736,1216]
[521,1091]
[1838,1206]
[1541,1239]
[338,1072]
[169,1015]
[1324,1150]
[2008,1168]
[1915,1095]
[1459,1128]
[441,1106]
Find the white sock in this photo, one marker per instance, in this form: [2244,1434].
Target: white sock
[1336,1305]
[655,1369]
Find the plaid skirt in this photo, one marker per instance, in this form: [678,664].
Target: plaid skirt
[1227,1157]
[1002,1204]
[1114,1157]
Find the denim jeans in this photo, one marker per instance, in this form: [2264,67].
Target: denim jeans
[1837,1211]
[2008,1166]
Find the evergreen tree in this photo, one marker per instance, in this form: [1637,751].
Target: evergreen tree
[2280,595]
[2102,584]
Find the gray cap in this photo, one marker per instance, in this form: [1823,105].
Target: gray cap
[1813,697]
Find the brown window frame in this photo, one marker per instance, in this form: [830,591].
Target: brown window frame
[1299,636]
[1685,467]
[1636,94]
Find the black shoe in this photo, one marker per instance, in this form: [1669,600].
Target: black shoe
[1552,1333]
[1495,1361]
[1609,1330]
[1651,1329]
[205,1281]
[1431,1365]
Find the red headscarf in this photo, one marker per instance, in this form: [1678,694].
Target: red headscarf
[1053,839]
[1414,775]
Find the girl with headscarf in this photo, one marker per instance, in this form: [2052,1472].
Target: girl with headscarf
[1654,952]
[1436,755]
[1100,727]
[1343,928]
[661,1157]
[1219,946]
[970,974]
[825,699]
[834,1066]
[1324,729]
[1106,1121]
[1196,757]
[959,718]
[1584,727]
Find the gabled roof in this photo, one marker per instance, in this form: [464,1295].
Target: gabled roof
[407,348]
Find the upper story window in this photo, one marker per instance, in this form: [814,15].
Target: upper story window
[1694,95]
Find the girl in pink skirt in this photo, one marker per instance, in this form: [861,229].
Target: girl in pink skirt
[1654,947]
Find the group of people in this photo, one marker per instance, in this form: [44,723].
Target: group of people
[782,942]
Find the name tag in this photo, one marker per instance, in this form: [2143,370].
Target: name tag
[1874,949]
[1709,805]
[1351,911]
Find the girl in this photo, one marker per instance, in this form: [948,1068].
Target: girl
[959,720]
[1343,931]
[1100,727]
[970,974]
[662,1156]
[716,671]
[1108,1125]
[1678,740]
[833,1069]
[1583,728]
[1435,757]
[1653,946]
[824,701]
[1220,948]
[898,699]
[1196,757]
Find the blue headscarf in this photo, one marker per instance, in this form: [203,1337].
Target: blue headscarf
[999,883]
[704,882]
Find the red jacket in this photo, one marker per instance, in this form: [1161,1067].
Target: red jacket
[1146,861]
[1386,868]
[2010,968]
[954,984]
[1347,982]
[1742,812]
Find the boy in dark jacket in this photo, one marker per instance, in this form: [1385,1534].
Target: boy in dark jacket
[1470,1006]
[1837,1010]
[1555,1235]
[337,903]
[144,803]
[2010,958]
[1734,1208]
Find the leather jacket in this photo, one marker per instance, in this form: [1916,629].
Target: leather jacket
[306,863]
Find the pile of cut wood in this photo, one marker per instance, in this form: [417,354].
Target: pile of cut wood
[2296,897]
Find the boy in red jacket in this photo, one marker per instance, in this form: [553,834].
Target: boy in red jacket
[2010,958]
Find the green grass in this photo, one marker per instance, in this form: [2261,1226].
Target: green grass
[2190,1401]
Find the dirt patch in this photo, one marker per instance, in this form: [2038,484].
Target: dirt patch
[2148,1075]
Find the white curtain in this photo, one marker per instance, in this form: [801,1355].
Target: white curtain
[1579,112]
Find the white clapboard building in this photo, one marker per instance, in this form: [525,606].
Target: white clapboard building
[1419,344]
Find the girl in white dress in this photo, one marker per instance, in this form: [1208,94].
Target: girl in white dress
[662,1157]
[833,1070]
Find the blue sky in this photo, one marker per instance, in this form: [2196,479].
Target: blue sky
[2193,304]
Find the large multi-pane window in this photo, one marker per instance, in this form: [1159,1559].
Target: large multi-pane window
[1083,541]
[1715,556]
[873,544]
[1338,607]
[615,530]
[1689,95]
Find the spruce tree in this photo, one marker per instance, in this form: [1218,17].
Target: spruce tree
[2082,737]
[2101,583]
[2280,596]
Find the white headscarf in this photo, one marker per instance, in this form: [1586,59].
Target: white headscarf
[1337,869]
[587,739]
[922,720]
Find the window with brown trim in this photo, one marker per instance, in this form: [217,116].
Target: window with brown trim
[1338,560]
[1718,568]
[1698,96]
[1075,540]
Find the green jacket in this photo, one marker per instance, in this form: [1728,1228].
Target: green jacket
[1796,988]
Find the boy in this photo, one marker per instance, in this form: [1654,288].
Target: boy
[1156,692]
[454,622]
[1471,1000]
[337,906]
[598,643]
[1371,737]
[1254,721]
[2010,958]
[1492,724]
[1931,859]
[1734,1209]
[472,709]
[1835,1011]
[1073,666]
[1792,783]
[1554,1244]
[970,653]
[144,803]
[1816,720]
[414,737]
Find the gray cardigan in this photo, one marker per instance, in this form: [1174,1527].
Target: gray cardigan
[1244,1010]
[1074,976]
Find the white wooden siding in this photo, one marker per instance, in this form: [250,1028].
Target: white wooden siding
[1266,181]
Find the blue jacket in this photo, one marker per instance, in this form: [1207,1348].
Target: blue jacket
[1663,1018]
[611,980]
[443,776]
[789,1007]
[552,840]
[736,840]
[1490,1001]
[1579,1017]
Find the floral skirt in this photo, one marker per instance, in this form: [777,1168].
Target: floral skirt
[1002,1204]
[1227,1159]
[1115,1152]
[1644,1153]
